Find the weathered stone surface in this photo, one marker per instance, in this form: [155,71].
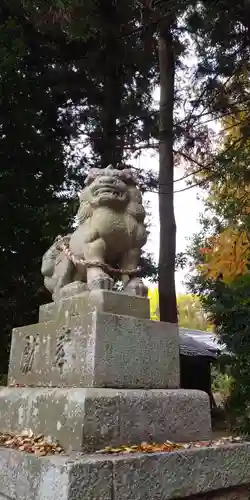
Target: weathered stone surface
[212,473]
[133,353]
[180,475]
[26,477]
[70,290]
[30,356]
[175,415]
[238,493]
[22,475]
[91,479]
[101,300]
[90,419]
[97,350]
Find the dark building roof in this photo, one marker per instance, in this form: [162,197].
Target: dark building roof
[190,346]
[208,338]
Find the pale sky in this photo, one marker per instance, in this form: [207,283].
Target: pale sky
[187,210]
[187,206]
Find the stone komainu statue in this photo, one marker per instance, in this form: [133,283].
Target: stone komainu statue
[108,238]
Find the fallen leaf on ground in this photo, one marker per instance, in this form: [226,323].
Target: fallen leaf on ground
[142,448]
[41,446]
[28,442]
[168,446]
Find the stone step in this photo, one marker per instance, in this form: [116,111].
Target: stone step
[221,473]
[90,419]
[99,349]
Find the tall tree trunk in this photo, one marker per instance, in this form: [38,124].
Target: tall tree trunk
[111,150]
[167,293]
[110,144]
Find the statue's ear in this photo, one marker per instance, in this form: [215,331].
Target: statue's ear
[127,176]
[92,174]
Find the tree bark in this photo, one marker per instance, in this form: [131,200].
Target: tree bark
[111,150]
[167,293]
[110,144]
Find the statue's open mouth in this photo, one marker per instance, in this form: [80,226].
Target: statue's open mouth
[114,190]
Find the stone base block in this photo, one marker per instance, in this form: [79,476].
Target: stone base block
[90,419]
[96,350]
[211,473]
[101,300]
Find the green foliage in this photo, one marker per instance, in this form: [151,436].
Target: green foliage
[225,61]
[34,202]
[229,307]
[110,75]
[223,418]
[64,78]
[149,268]
[223,384]
[228,310]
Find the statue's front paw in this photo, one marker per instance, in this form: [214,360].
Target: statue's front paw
[103,282]
[136,287]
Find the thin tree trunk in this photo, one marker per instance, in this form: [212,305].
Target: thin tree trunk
[167,293]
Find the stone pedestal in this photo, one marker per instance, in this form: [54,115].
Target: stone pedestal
[98,349]
[209,473]
[97,300]
[90,419]
[96,371]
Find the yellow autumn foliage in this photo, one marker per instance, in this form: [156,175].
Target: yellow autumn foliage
[190,312]
[227,255]
[154,304]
